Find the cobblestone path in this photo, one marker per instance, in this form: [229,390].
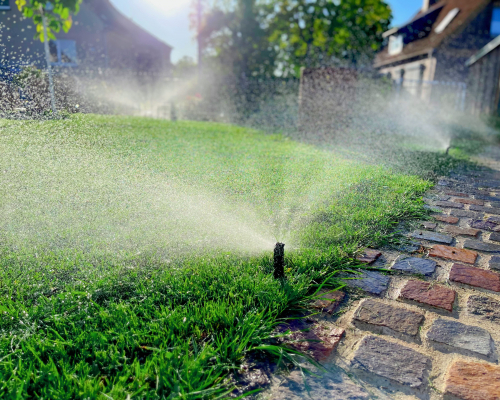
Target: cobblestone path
[430,330]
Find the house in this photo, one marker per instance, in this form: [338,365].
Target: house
[428,55]
[100,38]
[483,95]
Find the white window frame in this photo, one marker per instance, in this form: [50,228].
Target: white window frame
[5,8]
[59,63]
[395,40]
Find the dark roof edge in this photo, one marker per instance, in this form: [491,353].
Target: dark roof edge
[405,57]
[484,51]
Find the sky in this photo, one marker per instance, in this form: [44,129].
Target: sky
[169,20]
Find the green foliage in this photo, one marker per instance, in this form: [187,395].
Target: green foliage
[57,12]
[235,36]
[311,34]
[255,38]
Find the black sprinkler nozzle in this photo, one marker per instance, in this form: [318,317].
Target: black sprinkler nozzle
[279,261]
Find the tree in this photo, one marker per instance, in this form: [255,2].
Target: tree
[49,17]
[236,49]
[309,33]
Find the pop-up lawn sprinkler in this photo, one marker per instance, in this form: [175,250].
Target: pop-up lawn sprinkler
[279,261]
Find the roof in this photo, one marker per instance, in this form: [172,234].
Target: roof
[485,50]
[108,13]
[469,9]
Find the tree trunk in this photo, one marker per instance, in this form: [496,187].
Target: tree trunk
[47,59]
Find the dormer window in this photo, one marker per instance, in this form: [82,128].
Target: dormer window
[395,44]
[495,22]
[4,5]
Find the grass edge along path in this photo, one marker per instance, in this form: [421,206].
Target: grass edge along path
[75,327]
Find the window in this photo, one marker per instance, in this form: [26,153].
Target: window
[4,5]
[495,22]
[63,53]
[395,45]
[446,20]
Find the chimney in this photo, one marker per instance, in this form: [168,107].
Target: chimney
[428,4]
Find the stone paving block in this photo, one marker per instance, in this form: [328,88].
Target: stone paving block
[375,314]
[475,277]
[452,253]
[329,301]
[486,197]
[495,219]
[449,204]
[456,194]
[368,256]
[415,265]
[432,237]
[495,236]
[482,246]
[316,340]
[468,380]
[461,338]
[487,210]
[470,201]
[487,184]
[457,230]
[444,182]
[494,262]
[481,224]
[433,295]
[429,225]
[392,361]
[370,281]
[465,214]
[447,219]
[484,308]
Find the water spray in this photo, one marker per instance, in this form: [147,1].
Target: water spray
[279,261]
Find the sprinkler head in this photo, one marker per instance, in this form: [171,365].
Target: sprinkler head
[279,261]
[447,150]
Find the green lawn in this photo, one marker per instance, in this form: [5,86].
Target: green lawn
[135,254]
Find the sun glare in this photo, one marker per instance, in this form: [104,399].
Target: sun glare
[169,7]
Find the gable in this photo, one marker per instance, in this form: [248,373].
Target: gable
[421,34]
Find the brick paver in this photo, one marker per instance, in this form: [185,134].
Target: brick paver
[415,265]
[461,337]
[473,381]
[494,262]
[485,225]
[475,277]
[452,253]
[447,219]
[432,237]
[456,194]
[484,308]
[369,256]
[488,210]
[457,230]
[449,204]
[470,201]
[392,361]
[482,246]
[375,314]
[427,293]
